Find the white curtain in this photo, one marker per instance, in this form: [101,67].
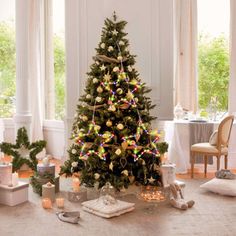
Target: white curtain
[185,81]
[232,80]
[35,75]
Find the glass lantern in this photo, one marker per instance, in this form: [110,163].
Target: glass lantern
[107,194]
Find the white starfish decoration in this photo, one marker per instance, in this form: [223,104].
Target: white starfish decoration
[151,180]
[102,67]
[114,32]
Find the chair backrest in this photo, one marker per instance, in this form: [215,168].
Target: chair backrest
[224,131]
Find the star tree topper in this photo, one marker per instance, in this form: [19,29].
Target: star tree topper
[23,152]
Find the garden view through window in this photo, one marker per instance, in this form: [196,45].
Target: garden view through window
[213,56]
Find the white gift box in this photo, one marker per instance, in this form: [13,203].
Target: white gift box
[5,173]
[12,196]
[168,174]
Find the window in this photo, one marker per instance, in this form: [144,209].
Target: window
[55,59]
[213,54]
[7,58]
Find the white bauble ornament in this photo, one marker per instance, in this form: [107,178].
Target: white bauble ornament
[88,96]
[110,49]
[74,164]
[120,126]
[116,69]
[98,99]
[130,69]
[96,176]
[102,45]
[84,118]
[73,151]
[119,58]
[95,80]
[121,43]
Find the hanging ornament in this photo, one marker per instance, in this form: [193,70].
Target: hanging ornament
[97,127]
[99,89]
[129,95]
[102,68]
[84,118]
[133,82]
[74,164]
[107,77]
[96,176]
[114,32]
[109,123]
[95,80]
[123,162]
[120,126]
[119,58]
[116,69]
[122,76]
[118,152]
[130,69]
[112,108]
[98,99]
[119,91]
[88,96]
[151,180]
[124,145]
[136,99]
[125,172]
[73,151]
[111,166]
[110,49]
[97,62]
[102,45]
[124,106]
[121,43]
[106,135]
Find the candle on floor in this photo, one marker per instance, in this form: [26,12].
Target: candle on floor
[46,203]
[48,191]
[14,179]
[60,202]
[75,184]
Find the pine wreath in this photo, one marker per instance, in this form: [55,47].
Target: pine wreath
[23,152]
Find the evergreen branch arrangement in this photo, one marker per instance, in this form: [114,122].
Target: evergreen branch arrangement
[112,136]
[23,152]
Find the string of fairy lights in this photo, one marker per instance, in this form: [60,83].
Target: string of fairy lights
[108,136]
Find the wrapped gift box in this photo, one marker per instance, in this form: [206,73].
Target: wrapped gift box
[12,196]
[49,170]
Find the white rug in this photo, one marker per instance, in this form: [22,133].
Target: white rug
[212,215]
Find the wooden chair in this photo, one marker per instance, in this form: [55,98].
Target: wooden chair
[221,148]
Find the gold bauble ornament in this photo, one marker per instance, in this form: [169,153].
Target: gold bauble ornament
[122,76]
[120,126]
[119,91]
[109,123]
[99,89]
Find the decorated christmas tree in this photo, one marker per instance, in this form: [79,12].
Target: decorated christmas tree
[112,137]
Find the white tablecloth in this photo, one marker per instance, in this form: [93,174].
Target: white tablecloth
[177,134]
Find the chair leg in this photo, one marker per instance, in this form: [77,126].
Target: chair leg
[218,162]
[226,161]
[205,165]
[192,164]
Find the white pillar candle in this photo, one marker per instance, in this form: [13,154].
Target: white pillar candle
[14,179]
[75,184]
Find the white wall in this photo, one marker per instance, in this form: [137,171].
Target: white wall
[150,32]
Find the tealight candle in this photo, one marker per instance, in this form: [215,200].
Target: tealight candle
[75,184]
[46,203]
[14,179]
[60,202]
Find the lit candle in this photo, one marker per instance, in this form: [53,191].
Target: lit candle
[75,184]
[60,202]
[14,179]
[46,203]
